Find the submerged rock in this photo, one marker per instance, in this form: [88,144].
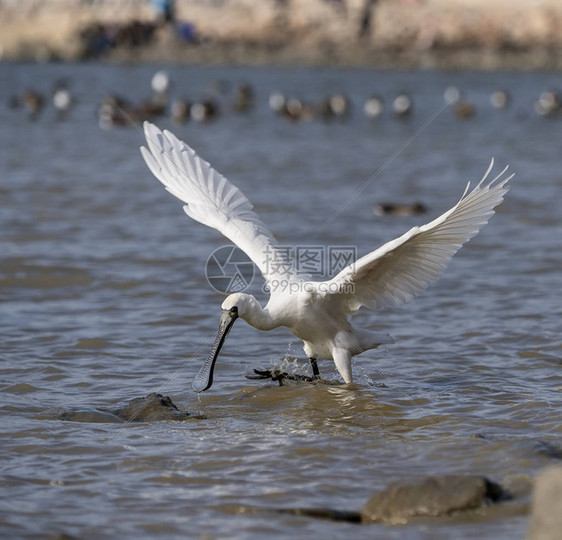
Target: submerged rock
[86,414]
[151,408]
[432,497]
[546,509]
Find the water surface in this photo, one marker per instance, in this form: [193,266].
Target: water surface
[104,299]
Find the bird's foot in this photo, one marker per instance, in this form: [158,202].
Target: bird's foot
[279,376]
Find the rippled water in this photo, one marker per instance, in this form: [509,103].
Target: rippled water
[104,299]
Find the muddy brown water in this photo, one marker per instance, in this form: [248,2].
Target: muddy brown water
[104,299]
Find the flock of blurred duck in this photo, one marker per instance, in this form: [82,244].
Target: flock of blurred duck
[115,110]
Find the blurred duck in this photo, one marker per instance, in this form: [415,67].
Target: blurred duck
[277,102]
[339,105]
[156,106]
[451,95]
[203,111]
[385,209]
[160,82]
[295,110]
[336,106]
[464,109]
[374,106]
[33,103]
[500,99]
[180,111]
[62,99]
[549,103]
[402,106]
[150,109]
[243,98]
[115,111]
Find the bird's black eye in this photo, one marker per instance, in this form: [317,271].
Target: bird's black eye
[234,310]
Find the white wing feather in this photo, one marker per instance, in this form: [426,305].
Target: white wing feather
[402,268]
[210,198]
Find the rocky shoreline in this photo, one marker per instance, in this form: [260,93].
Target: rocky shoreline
[454,34]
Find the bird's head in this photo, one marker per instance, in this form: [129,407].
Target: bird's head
[236,305]
[240,302]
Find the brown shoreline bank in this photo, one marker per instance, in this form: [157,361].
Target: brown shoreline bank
[256,55]
[426,34]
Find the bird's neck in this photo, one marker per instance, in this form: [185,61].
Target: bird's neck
[259,317]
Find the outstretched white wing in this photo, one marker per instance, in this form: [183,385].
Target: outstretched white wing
[402,268]
[212,200]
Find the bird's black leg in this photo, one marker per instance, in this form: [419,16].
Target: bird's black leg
[279,376]
[315,370]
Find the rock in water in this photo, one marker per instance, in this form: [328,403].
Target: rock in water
[88,415]
[433,497]
[546,509]
[150,408]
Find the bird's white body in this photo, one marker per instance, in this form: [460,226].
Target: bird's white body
[319,312]
[318,319]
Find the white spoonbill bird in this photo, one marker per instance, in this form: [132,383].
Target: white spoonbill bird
[317,312]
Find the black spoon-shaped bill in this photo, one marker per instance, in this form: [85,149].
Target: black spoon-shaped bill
[204,379]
